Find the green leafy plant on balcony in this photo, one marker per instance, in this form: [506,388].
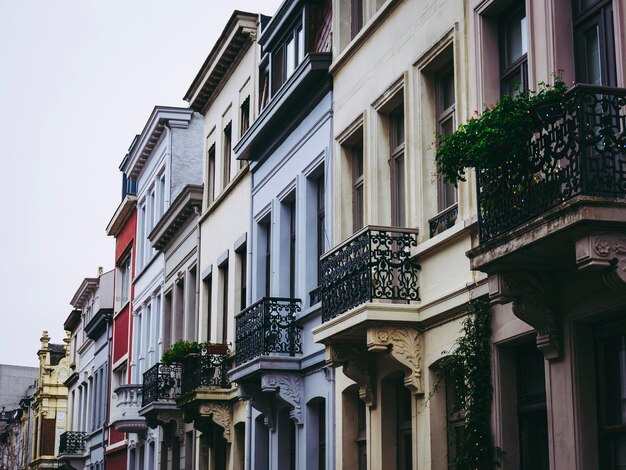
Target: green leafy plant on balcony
[500,134]
[178,351]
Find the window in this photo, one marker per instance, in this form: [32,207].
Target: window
[292,248]
[611,365]
[208,292]
[396,165]
[124,272]
[242,261]
[224,277]
[513,50]
[244,116]
[403,426]
[532,416]
[455,417]
[356,17]
[361,439]
[142,236]
[287,57]
[594,42]
[227,154]
[264,85]
[211,174]
[266,231]
[321,222]
[446,192]
[357,185]
[160,208]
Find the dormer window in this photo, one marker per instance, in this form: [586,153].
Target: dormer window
[287,56]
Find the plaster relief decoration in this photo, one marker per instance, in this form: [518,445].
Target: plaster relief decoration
[605,252]
[533,302]
[289,388]
[221,414]
[174,422]
[354,360]
[402,345]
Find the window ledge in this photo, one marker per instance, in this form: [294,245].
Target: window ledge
[366,31]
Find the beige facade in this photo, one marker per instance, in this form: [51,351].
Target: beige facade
[49,405]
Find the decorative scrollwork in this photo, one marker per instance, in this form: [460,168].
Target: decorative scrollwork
[268,326]
[580,151]
[374,264]
[72,442]
[444,220]
[208,368]
[161,383]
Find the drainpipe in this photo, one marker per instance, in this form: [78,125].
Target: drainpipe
[105,425]
[248,437]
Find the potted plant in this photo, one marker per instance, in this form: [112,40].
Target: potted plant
[179,351]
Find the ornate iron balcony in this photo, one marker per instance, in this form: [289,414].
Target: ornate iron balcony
[268,326]
[72,442]
[444,220]
[208,368]
[161,383]
[375,263]
[580,149]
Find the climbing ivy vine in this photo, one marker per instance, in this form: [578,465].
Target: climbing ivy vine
[468,371]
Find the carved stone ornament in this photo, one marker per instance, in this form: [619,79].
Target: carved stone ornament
[604,252]
[221,414]
[533,303]
[403,345]
[289,388]
[356,366]
[176,421]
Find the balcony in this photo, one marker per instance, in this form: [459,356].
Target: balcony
[161,387]
[127,403]
[375,263]
[72,444]
[577,154]
[207,369]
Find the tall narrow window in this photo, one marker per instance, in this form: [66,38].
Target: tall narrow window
[357,185]
[455,417]
[211,174]
[242,257]
[396,164]
[513,50]
[224,276]
[125,279]
[531,409]
[292,249]
[403,426]
[244,116]
[321,222]
[356,17]
[321,434]
[264,85]
[227,154]
[594,42]
[161,196]
[208,291]
[267,229]
[361,440]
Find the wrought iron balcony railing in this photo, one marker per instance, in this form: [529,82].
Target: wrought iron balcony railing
[444,220]
[375,263]
[579,150]
[72,442]
[161,383]
[208,368]
[268,326]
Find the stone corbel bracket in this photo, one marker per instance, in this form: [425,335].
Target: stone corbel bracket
[176,421]
[260,402]
[403,345]
[604,252]
[354,360]
[533,303]
[222,414]
[289,388]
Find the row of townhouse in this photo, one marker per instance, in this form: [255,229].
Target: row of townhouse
[291,227]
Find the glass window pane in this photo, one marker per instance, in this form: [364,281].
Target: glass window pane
[592,52]
[615,380]
[300,45]
[291,57]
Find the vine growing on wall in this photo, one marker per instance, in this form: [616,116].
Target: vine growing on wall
[468,371]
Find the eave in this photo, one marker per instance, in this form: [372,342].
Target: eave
[144,144]
[273,31]
[95,328]
[87,287]
[72,321]
[175,217]
[121,216]
[237,36]
[287,108]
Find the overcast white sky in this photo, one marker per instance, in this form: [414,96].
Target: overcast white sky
[78,79]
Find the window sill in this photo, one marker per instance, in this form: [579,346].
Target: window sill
[366,31]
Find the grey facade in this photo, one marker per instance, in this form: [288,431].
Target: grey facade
[14,382]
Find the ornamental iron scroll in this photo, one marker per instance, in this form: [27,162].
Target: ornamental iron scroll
[205,369]
[72,442]
[268,326]
[375,263]
[161,383]
[579,151]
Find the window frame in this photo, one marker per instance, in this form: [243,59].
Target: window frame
[509,69]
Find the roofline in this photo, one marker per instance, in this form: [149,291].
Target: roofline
[88,284]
